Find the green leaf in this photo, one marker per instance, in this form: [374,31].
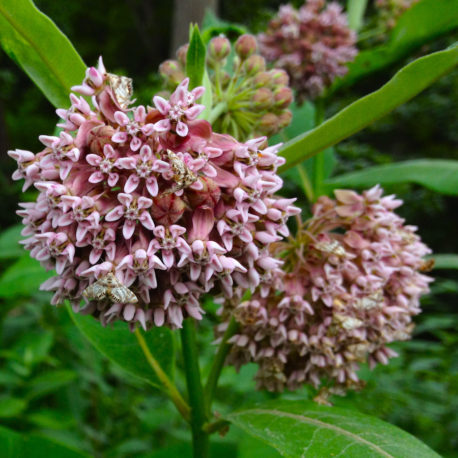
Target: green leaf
[15,445]
[50,381]
[120,345]
[440,175]
[213,26]
[407,83]
[445,261]
[9,243]
[304,428]
[423,22]
[11,407]
[207,98]
[22,278]
[35,43]
[195,58]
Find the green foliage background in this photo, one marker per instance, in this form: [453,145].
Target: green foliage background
[54,384]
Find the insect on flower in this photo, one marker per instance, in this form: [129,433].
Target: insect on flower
[109,286]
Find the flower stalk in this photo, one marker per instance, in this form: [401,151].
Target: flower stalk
[168,385]
[200,438]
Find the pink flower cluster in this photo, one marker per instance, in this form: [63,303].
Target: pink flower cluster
[350,284]
[389,11]
[313,44]
[148,205]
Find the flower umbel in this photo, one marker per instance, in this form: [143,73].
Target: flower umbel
[252,100]
[350,284]
[142,210]
[313,44]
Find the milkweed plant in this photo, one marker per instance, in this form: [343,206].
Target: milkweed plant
[153,216]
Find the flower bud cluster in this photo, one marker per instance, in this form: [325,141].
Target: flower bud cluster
[313,44]
[389,11]
[253,100]
[142,210]
[350,284]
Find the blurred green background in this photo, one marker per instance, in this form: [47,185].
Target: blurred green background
[54,383]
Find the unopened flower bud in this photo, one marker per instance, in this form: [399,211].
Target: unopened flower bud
[283,97]
[182,53]
[171,71]
[219,48]
[279,77]
[261,79]
[268,124]
[262,98]
[245,46]
[284,119]
[254,64]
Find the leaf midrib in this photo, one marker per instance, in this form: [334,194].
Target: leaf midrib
[31,43]
[317,423]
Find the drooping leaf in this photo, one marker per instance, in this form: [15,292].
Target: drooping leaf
[120,345]
[9,243]
[422,23]
[23,278]
[195,58]
[15,445]
[440,175]
[213,26]
[303,428]
[35,43]
[405,84]
[445,261]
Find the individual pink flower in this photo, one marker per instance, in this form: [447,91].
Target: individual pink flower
[350,285]
[153,200]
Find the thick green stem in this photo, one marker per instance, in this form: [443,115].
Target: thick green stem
[216,112]
[200,438]
[168,385]
[319,159]
[218,363]
[355,12]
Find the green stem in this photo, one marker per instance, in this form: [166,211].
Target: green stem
[306,183]
[170,388]
[319,159]
[355,11]
[218,363]
[215,426]
[200,439]
[216,112]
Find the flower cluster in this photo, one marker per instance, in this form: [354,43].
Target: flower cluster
[248,101]
[389,11]
[142,210]
[350,284]
[313,44]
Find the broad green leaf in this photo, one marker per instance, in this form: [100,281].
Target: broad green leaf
[35,43]
[9,243]
[423,22]
[304,428]
[15,445]
[440,175]
[120,345]
[23,278]
[11,407]
[445,261]
[195,58]
[405,84]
